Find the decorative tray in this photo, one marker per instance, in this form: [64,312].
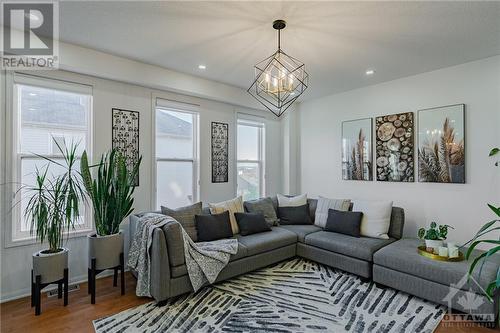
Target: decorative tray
[423,252]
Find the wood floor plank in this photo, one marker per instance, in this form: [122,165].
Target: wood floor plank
[18,317]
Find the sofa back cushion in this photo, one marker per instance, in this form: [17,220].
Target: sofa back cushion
[262,206]
[185,216]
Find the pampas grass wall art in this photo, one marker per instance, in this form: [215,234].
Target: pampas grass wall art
[441,144]
[357,157]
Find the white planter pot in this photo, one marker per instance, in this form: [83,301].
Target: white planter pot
[50,266]
[434,244]
[105,249]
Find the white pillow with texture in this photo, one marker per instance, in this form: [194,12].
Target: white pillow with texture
[298,200]
[324,204]
[376,217]
[233,206]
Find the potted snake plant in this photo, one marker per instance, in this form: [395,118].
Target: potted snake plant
[53,206]
[111,195]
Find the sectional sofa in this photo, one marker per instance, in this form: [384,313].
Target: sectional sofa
[355,255]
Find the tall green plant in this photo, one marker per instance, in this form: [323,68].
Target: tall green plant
[54,202]
[487,230]
[110,191]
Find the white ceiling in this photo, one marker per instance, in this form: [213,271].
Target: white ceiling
[337,41]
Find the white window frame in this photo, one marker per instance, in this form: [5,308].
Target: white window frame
[13,235]
[174,106]
[261,162]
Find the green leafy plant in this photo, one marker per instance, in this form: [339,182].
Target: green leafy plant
[434,232]
[110,191]
[487,230]
[53,203]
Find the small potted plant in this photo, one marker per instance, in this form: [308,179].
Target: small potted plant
[434,236]
[52,207]
[111,195]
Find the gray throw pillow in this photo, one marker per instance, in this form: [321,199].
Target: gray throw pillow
[185,216]
[263,206]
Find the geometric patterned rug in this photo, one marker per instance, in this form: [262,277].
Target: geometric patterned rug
[292,296]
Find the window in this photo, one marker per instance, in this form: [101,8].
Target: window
[44,111]
[176,156]
[250,164]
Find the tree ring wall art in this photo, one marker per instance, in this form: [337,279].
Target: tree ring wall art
[394,147]
[357,157]
[220,150]
[125,136]
[441,144]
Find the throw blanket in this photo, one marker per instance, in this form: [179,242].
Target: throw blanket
[204,260]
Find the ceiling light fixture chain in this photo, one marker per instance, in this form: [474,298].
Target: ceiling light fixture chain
[279,79]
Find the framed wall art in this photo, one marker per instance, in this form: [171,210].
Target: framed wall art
[125,136]
[357,157]
[394,147]
[441,144]
[220,151]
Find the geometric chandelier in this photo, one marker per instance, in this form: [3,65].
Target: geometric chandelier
[279,79]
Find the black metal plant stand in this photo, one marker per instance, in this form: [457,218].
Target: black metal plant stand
[37,286]
[92,273]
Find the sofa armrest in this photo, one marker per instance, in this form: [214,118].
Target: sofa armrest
[160,267]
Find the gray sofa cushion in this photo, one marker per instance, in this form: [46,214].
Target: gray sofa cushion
[361,248]
[185,216]
[266,241]
[402,256]
[263,206]
[181,270]
[301,230]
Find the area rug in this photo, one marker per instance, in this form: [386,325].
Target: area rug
[292,296]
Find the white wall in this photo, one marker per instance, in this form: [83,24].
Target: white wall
[16,261]
[476,84]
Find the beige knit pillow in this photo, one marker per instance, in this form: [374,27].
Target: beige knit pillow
[233,206]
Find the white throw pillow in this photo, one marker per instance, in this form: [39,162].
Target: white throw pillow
[298,200]
[233,206]
[324,204]
[376,217]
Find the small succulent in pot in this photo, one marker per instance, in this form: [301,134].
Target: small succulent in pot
[434,236]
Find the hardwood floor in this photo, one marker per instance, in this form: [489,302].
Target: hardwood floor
[18,316]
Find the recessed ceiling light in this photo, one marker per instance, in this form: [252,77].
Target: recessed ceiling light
[370,72]
[202,67]
[32,94]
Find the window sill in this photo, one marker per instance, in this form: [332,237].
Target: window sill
[32,241]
